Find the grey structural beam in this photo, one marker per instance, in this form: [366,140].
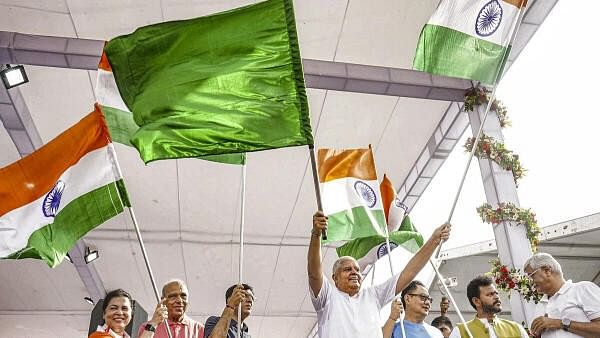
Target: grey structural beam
[64,52]
[17,120]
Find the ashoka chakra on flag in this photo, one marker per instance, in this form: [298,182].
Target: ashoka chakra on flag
[366,193]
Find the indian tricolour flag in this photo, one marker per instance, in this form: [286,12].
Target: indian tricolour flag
[402,233]
[350,194]
[54,196]
[468,39]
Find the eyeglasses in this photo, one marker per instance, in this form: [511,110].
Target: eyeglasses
[424,298]
[530,275]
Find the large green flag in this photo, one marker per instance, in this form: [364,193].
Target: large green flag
[226,83]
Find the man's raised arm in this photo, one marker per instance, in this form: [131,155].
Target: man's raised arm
[315,268]
[416,264]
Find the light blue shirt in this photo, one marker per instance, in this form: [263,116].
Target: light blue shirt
[416,330]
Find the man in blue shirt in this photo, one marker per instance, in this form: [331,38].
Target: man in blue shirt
[416,300]
[226,325]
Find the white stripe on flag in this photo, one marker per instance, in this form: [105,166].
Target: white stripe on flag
[107,92]
[340,195]
[462,16]
[93,171]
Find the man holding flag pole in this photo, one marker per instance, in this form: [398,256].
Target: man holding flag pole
[343,309]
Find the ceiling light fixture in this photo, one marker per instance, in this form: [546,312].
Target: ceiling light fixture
[90,256]
[13,76]
[89,300]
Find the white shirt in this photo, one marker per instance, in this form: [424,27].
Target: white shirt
[490,329]
[580,302]
[340,315]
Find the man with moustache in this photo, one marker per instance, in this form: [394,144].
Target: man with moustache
[484,298]
[172,307]
[344,309]
[416,300]
[568,309]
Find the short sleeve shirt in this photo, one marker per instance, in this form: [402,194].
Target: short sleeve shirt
[415,330]
[187,328]
[580,302]
[212,321]
[340,315]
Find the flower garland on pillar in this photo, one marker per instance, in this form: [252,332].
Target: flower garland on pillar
[478,96]
[508,212]
[489,148]
[512,279]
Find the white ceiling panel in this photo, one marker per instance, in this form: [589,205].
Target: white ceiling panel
[351,120]
[390,29]
[33,286]
[57,98]
[103,20]
[405,136]
[36,17]
[9,151]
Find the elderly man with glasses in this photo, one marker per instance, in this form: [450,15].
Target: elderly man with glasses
[484,298]
[568,309]
[416,300]
[344,309]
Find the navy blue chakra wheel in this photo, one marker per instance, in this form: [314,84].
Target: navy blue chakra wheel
[382,251]
[52,199]
[366,193]
[489,18]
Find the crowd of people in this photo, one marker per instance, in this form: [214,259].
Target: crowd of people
[345,309]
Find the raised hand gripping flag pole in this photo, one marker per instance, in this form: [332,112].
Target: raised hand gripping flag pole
[139,237]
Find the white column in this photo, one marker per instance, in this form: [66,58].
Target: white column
[511,240]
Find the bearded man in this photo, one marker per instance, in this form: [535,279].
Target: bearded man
[484,298]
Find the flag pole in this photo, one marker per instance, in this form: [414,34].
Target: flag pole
[513,34]
[241,260]
[313,163]
[113,154]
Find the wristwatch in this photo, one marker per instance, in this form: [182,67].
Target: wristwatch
[566,324]
[150,327]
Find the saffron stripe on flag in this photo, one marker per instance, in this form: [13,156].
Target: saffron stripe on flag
[33,176]
[21,222]
[357,163]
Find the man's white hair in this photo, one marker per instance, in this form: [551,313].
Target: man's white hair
[172,281]
[542,259]
[339,261]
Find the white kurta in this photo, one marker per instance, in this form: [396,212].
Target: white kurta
[340,315]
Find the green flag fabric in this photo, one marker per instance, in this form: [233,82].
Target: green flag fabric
[368,250]
[227,83]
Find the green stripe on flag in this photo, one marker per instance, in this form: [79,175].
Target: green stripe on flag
[231,82]
[122,127]
[444,51]
[353,223]
[360,247]
[52,242]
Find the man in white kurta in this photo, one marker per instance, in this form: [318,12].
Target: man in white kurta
[343,308]
[568,310]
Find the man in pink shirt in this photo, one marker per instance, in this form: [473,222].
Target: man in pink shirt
[172,307]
